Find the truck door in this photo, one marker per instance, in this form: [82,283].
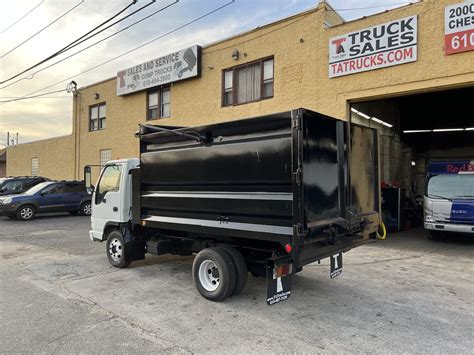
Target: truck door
[106,202]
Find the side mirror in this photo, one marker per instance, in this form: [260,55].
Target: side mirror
[90,189]
[88,178]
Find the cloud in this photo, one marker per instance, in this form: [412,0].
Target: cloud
[39,118]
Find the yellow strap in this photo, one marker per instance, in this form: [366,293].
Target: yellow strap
[384,230]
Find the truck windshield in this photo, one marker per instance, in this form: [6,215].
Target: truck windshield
[451,186]
[110,181]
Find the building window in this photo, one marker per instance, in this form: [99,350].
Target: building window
[159,103]
[248,83]
[97,117]
[34,166]
[105,156]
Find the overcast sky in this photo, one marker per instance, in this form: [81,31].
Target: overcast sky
[50,116]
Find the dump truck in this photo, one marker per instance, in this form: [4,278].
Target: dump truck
[264,195]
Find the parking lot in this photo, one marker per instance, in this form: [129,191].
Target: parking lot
[59,294]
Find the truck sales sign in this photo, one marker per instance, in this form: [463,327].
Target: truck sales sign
[381,46]
[176,66]
[459,28]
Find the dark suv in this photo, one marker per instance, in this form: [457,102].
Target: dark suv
[50,196]
[19,184]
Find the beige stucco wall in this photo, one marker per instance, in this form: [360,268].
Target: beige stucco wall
[55,158]
[300,48]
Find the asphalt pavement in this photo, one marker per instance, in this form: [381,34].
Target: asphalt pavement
[60,295]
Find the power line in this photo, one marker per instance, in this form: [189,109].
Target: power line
[29,77]
[31,97]
[70,44]
[136,48]
[34,35]
[45,97]
[21,18]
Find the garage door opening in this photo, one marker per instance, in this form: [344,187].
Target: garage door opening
[416,130]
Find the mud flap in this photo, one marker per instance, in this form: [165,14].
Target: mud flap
[279,277]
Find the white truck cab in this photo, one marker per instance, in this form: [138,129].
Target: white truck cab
[111,199]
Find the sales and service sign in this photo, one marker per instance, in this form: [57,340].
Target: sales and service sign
[180,65]
[459,27]
[381,46]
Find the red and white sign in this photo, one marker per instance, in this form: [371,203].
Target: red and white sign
[459,27]
[381,46]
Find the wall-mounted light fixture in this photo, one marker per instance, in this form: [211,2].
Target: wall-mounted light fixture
[96,96]
[235,54]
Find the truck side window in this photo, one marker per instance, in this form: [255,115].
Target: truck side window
[110,181]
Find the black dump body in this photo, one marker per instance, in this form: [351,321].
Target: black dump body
[298,178]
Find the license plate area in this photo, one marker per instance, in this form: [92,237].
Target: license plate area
[336,265]
[279,277]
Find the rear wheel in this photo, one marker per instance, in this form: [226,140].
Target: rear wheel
[86,209]
[25,213]
[240,268]
[214,274]
[115,249]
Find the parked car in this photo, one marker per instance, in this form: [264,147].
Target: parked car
[50,196]
[19,184]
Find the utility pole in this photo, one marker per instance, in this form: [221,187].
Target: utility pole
[17,138]
[8,138]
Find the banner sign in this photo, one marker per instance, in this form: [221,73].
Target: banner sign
[380,46]
[176,66]
[459,28]
[451,167]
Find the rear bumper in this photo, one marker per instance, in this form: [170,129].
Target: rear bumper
[448,227]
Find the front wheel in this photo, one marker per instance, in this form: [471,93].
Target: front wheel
[115,249]
[25,213]
[214,274]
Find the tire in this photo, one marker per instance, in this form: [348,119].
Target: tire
[86,209]
[115,249]
[433,235]
[240,268]
[25,213]
[214,274]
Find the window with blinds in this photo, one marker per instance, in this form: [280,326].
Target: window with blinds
[159,103]
[97,115]
[248,83]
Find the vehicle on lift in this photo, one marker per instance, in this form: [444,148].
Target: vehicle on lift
[48,197]
[449,198]
[267,195]
[13,185]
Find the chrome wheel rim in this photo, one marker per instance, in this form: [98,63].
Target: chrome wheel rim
[26,213]
[209,275]
[115,249]
[87,209]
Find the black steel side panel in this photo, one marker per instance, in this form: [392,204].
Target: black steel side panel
[321,170]
[242,175]
[257,163]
